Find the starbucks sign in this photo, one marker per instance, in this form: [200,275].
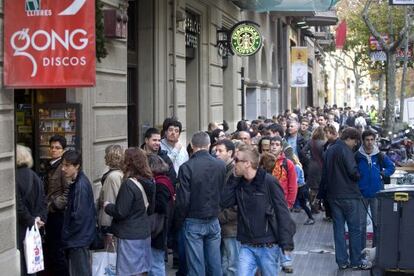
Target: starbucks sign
[245,39]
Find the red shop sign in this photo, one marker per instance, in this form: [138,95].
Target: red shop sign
[49,43]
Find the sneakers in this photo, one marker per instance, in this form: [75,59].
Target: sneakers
[287,269]
[309,222]
[343,266]
[363,266]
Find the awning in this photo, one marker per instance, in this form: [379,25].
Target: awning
[285,5]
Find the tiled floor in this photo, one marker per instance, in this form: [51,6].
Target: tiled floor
[314,251]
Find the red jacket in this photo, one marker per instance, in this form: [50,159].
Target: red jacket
[287,179]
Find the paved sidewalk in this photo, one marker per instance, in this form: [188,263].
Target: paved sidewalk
[314,250]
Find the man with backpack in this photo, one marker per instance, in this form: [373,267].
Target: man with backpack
[373,167]
[264,224]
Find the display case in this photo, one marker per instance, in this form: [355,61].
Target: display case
[51,119]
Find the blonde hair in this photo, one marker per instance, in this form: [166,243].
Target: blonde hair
[24,156]
[114,156]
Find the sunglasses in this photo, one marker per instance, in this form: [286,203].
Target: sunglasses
[237,160]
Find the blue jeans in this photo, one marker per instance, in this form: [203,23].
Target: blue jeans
[230,249]
[372,203]
[347,211]
[251,258]
[158,262]
[202,246]
[182,267]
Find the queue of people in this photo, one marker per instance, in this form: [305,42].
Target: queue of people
[222,205]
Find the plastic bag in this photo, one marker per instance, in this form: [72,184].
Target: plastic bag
[103,264]
[33,251]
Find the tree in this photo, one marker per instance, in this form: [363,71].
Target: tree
[376,26]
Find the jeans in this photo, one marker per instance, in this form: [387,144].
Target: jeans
[230,249]
[285,259]
[372,203]
[79,261]
[347,211]
[265,258]
[158,262]
[182,262]
[202,246]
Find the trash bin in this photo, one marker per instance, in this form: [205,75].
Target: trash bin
[395,246]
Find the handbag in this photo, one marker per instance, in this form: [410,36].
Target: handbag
[98,240]
[33,251]
[157,221]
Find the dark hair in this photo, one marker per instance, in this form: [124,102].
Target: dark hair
[276,128]
[136,164]
[171,122]
[331,129]
[259,146]
[215,135]
[58,138]
[156,164]
[72,157]
[228,145]
[276,138]
[242,126]
[367,133]
[151,131]
[350,133]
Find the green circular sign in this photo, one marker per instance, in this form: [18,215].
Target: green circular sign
[246,40]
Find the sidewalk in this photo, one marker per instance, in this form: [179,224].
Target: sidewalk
[314,250]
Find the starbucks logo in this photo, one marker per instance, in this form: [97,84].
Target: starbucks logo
[246,40]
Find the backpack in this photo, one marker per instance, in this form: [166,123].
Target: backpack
[385,179]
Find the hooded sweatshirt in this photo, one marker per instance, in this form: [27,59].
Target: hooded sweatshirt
[370,171]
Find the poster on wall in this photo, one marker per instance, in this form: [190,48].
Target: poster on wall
[49,43]
[299,64]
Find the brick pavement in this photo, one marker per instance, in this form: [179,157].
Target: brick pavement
[314,250]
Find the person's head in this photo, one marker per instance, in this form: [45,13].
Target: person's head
[172,130]
[217,135]
[225,150]
[200,141]
[368,140]
[244,136]
[292,127]
[246,160]
[136,164]
[152,138]
[331,118]
[242,126]
[264,144]
[57,145]
[23,156]
[276,130]
[276,145]
[331,133]
[114,156]
[156,164]
[322,120]
[350,136]
[71,163]
[304,124]
[267,161]
[319,133]
[212,126]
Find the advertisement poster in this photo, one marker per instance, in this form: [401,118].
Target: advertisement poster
[299,59]
[49,43]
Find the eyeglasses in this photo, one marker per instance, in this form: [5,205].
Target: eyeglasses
[237,160]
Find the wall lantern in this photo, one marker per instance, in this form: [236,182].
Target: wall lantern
[115,23]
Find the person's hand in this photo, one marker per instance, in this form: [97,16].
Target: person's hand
[106,203]
[39,222]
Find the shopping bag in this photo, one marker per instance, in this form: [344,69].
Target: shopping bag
[103,264]
[33,251]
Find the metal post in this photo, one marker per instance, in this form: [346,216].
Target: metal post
[243,104]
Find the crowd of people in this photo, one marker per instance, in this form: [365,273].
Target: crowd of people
[222,204]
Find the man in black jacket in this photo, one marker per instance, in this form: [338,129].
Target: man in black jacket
[264,225]
[344,198]
[78,230]
[198,205]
